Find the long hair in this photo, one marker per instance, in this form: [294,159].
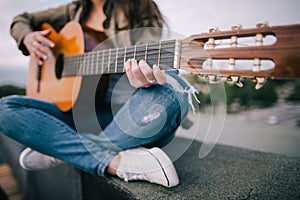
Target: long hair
[139,13]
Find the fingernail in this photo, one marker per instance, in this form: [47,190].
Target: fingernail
[142,62]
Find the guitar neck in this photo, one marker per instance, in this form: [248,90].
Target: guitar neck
[203,54]
[164,54]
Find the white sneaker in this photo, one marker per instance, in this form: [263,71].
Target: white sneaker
[32,160]
[151,165]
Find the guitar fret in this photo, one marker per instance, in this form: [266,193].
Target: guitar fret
[108,64]
[106,60]
[97,63]
[152,54]
[78,66]
[81,64]
[102,64]
[130,52]
[140,55]
[69,64]
[134,53]
[146,51]
[177,49]
[89,63]
[65,63]
[158,59]
[89,67]
[92,63]
[167,54]
[84,64]
[113,60]
[116,63]
[125,52]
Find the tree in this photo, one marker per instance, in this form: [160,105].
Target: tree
[7,90]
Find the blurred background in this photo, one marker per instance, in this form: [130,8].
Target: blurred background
[267,119]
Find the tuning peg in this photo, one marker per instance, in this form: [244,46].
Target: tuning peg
[223,78]
[262,25]
[239,84]
[237,27]
[213,79]
[235,80]
[260,81]
[214,29]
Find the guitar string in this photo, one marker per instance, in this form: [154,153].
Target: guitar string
[113,54]
[112,61]
[120,66]
[198,70]
[130,51]
[84,57]
[163,58]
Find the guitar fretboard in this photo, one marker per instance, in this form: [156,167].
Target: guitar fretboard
[111,61]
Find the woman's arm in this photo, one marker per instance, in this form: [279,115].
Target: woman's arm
[30,22]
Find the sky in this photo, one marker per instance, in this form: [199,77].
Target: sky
[185,17]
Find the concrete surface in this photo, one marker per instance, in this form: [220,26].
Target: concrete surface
[226,173]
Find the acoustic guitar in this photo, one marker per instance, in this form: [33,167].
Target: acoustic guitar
[59,78]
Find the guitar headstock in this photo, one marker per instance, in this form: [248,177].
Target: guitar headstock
[226,54]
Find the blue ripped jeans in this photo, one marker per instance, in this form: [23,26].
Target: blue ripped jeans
[149,118]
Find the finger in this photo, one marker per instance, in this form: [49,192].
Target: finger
[41,55]
[41,49]
[159,75]
[42,39]
[128,70]
[130,75]
[32,49]
[36,58]
[138,76]
[147,71]
[45,32]
[37,49]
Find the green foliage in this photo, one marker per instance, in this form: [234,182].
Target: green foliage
[203,98]
[295,94]
[241,98]
[7,90]
[248,96]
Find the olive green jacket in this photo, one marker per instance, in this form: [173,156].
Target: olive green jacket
[60,16]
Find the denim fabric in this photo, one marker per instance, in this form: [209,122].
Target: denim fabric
[149,118]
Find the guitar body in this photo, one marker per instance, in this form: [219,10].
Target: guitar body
[63,92]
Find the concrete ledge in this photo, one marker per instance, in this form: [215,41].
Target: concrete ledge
[226,173]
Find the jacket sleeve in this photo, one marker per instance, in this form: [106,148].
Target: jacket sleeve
[28,22]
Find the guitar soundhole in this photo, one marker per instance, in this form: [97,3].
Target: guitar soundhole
[59,66]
